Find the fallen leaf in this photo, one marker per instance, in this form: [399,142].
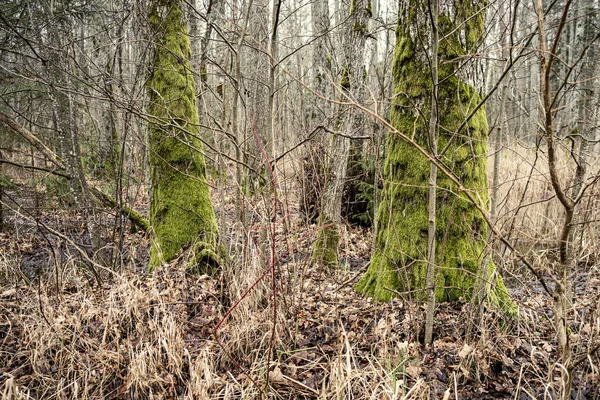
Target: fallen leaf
[276,376]
[465,351]
[8,293]
[414,370]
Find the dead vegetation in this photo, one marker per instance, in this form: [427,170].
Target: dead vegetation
[136,336]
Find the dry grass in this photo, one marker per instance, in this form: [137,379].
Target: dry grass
[531,216]
[137,336]
[151,337]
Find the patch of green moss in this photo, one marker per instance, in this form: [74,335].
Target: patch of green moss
[377,281]
[368,7]
[203,74]
[205,258]
[325,250]
[352,7]
[345,81]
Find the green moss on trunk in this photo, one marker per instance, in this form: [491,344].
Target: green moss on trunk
[326,247]
[181,212]
[400,260]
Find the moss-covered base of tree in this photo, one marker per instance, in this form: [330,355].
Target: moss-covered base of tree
[182,215]
[325,250]
[199,258]
[378,280]
[497,295]
[383,282]
[205,258]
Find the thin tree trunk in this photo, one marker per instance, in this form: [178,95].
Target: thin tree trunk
[274,61]
[547,123]
[433,143]
[235,111]
[483,286]
[322,71]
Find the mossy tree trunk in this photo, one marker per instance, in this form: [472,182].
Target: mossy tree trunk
[181,212]
[325,251]
[399,261]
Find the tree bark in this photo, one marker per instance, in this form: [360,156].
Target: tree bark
[432,206]
[181,212]
[399,262]
[562,270]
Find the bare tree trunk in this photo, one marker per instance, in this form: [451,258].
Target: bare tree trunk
[317,111]
[433,144]
[499,132]
[585,132]
[563,268]
[272,84]
[235,111]
[587,111]
[322,70]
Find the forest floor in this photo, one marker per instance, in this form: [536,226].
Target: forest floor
[65,335]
